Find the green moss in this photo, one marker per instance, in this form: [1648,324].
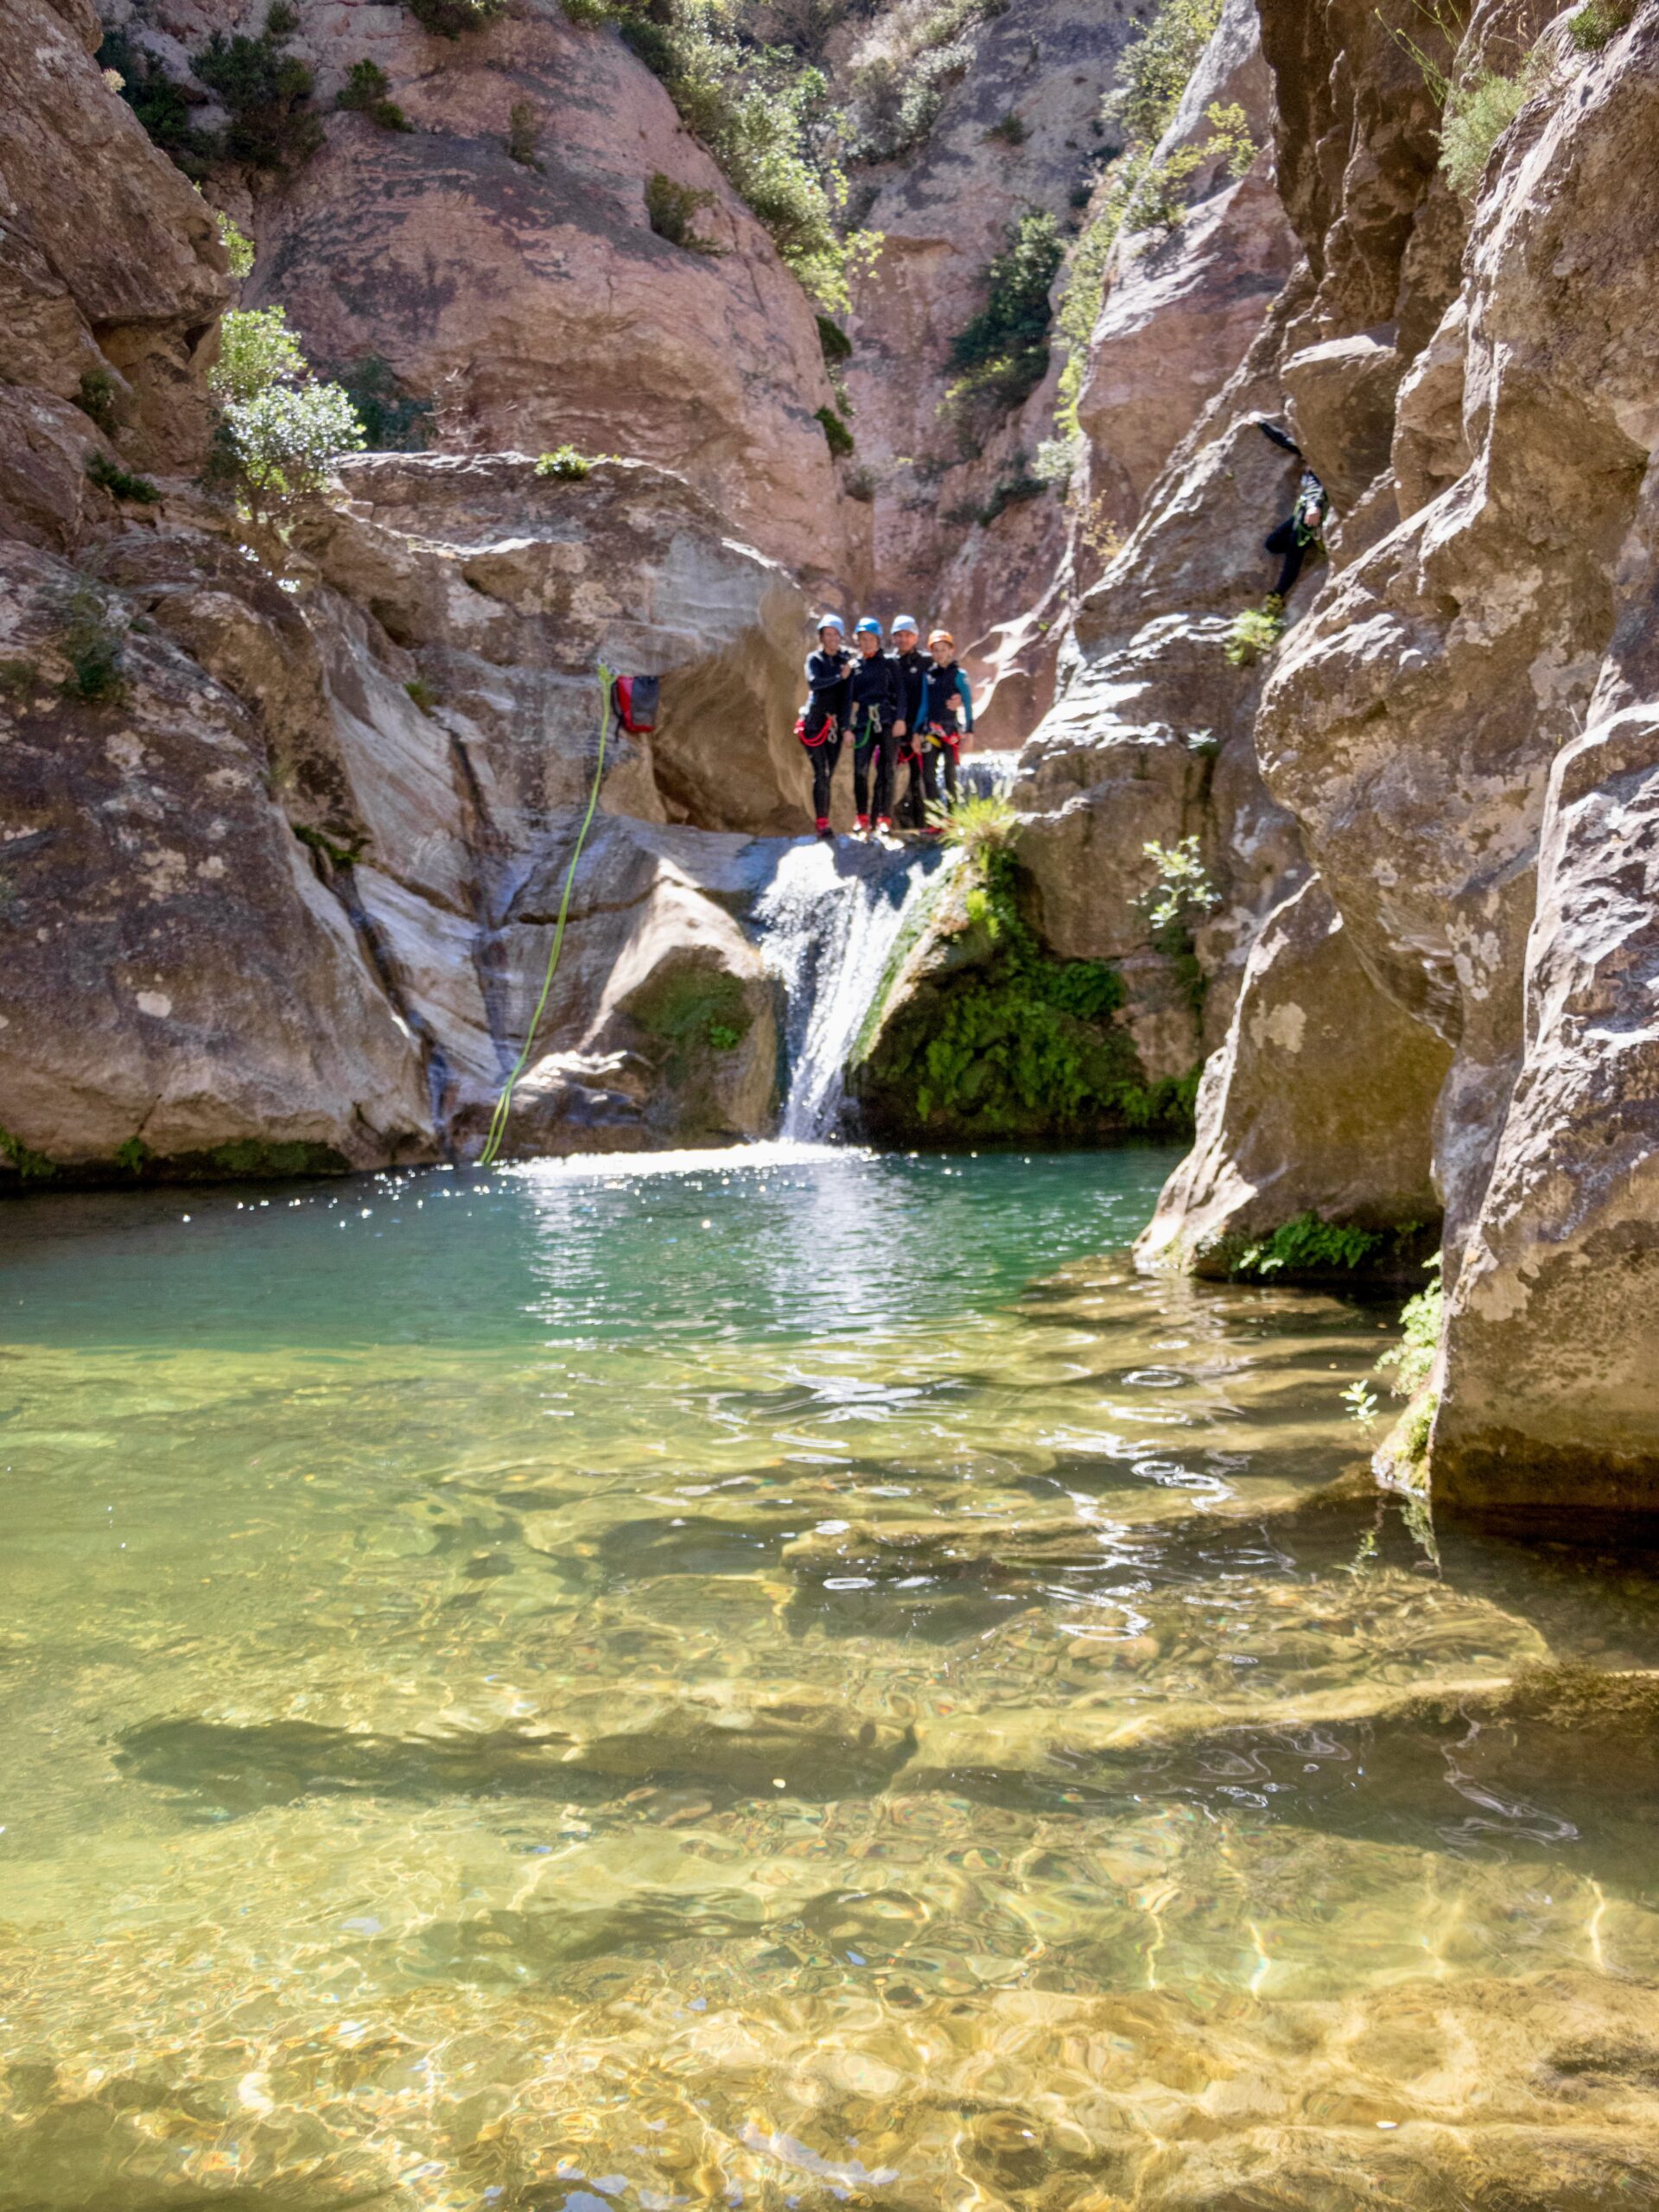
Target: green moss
[691,1011]
[264,1157]
[134,1155]
[1012,1043]
[340,852]
[29,1167]
[833,339]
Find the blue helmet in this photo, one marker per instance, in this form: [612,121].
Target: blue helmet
[869,627]
[831,622]
[905,622]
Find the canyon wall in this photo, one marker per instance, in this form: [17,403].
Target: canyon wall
[1452,1013]
[288,811]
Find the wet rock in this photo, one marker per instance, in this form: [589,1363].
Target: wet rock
[1546,1404]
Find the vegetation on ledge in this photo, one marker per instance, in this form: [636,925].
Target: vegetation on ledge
[1311,1248]
[998,1042]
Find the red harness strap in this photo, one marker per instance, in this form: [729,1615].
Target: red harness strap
[823,736]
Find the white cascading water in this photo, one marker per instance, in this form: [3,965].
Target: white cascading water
[831,915]
[990,775]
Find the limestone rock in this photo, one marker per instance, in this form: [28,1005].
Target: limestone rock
[1320,1103]
[1148,743]
[944,213]
[1549,1401]
[663,1022]
[515,587]
[1413,720]
[1179,316]
[180,983]
[532,302]
[109,263]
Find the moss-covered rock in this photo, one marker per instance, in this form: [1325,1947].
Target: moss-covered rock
[980,1035]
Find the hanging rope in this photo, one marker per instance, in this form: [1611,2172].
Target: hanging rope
[504,1104]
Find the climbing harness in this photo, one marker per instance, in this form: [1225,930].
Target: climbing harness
[609,685]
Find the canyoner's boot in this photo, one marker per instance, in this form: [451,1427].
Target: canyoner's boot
[884,825]
[863,826]
[825,831]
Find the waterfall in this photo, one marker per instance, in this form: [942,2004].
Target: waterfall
[831,916]
[990,775]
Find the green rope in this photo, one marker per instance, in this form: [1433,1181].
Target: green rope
[504,1104]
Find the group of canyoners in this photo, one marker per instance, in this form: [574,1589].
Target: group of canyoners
[911,708]
[903,709]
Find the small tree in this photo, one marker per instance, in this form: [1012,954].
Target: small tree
[256,349]
[283,443]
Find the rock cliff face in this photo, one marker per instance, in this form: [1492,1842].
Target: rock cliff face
[1460,726]
[529,301]
[287,821]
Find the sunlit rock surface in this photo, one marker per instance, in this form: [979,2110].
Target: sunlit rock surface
[532,302]
[1320,1103]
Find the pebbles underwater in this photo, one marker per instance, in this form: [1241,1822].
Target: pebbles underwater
[523,1702]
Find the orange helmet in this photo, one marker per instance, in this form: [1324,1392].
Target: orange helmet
[942,638]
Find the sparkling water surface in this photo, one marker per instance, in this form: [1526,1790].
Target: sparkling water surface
[778,1678]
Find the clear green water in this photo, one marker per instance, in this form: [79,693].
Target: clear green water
[782,1684]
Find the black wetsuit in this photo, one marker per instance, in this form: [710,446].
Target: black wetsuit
[913,667]
[948,699]
[828,704]
[878,701]
[1302,531]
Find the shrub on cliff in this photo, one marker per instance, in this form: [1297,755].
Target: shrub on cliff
[903,69]
[1003,355]
[454,18]
[266,92]
[366,91]
[1478,113]
[1134,193]
[672,209]
[763,113]
[281,428]
[165,107]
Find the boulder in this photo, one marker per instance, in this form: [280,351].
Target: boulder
[181,991]
[662,1027]
[1320,1103]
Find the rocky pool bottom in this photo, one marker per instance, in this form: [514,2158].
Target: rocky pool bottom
[779,1680]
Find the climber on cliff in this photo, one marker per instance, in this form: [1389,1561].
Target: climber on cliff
[877,694]
[913,665]
[821,725]
[1304,527]
[947,709]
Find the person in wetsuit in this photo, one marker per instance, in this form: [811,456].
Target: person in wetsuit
[913,665]
[1303,529]
[948,707]
[824,720]
[877,697]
